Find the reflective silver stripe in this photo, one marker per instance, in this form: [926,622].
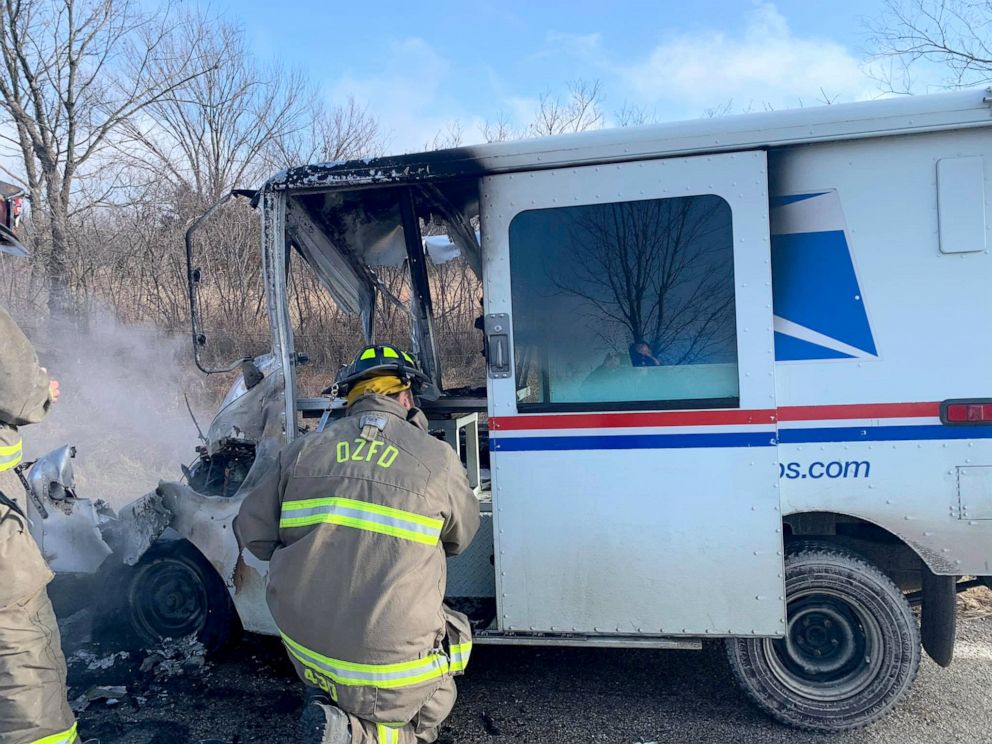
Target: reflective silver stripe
[386,734]
[403,674]
[364,515]
[10,455]
[460,654]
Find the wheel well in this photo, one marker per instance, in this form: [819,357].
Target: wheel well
[129,616]
[884,549]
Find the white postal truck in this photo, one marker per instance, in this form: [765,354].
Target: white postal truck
[738,384]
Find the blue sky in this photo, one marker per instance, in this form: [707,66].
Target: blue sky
[421,66]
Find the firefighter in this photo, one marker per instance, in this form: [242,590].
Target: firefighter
[356,522]
[33,704]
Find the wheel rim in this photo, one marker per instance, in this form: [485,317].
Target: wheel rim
[168,600]
[833,647]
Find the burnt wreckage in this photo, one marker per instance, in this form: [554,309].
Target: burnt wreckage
[175,567]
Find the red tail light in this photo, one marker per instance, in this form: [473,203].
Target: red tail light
[15,206]
[967,412]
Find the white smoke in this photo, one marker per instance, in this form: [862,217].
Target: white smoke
[122,405]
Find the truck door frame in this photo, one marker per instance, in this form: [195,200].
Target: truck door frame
[545,582]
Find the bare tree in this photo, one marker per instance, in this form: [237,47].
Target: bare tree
[348,131]
[65,90]
[579,110]
[501,129]
[451,135]
[660,270]
[952,35]
[632,115]
[340,132]
[208,134]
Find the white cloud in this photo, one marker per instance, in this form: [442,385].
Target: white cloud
[408,95]
[418,91]
[764,64]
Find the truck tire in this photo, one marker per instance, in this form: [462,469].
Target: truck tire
[851,650]
[172,592]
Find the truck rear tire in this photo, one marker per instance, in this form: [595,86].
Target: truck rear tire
[172,592]
[851,650]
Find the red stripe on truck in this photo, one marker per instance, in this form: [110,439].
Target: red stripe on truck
[859,411]
[713,418]
[620,420]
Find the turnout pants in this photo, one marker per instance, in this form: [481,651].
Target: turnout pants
[422,728]
[33,705]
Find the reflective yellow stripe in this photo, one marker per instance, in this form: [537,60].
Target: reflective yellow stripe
[11,455]
[387,734]
[385,676]
[460,653]
[408,358]
[66,737]
[368,353]
[384,520]
[389,351]
[11,449]
[359,524]
[388,511]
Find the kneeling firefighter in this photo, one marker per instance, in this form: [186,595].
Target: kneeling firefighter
[356,522]
[33,705]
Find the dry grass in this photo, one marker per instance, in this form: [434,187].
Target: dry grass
[975,603]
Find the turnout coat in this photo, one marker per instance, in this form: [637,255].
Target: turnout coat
[356,522]
[24,399]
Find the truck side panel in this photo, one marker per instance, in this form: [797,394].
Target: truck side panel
[868,347]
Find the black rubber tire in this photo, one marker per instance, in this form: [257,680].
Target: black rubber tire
[172,592]
[874,641]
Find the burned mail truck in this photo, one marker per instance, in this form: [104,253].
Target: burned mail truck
[736,387]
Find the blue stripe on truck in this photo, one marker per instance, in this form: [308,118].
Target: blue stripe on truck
[740,439]
[633,441]
[883,434]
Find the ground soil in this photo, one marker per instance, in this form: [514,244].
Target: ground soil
[249,694]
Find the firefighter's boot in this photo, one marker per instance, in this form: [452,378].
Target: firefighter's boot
[322,723]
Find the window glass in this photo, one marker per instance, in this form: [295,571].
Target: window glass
[625,305]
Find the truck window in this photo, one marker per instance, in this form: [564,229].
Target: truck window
[625,305]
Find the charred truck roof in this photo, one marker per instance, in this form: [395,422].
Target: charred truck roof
[908,115]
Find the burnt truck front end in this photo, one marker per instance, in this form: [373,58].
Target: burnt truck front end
[347,238]
[177,565]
